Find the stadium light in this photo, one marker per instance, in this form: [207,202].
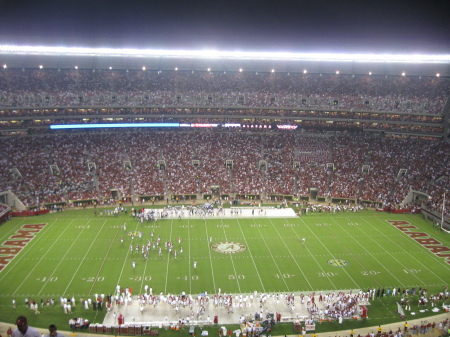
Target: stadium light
[76,67]
[176,69]
[305,71]
[438,75]
[143,68]
[370,73]
[41,66]
[273,70]
[403,74]
[337,72]
[5,66]
[209,69]
[215,54]
[240,70]
[110,68]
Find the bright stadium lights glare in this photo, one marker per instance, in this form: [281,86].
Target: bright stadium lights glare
[176,69]
[240,70]
[437,75]
[214,54]
[370,73]
[337,72]
[143,68]
[209,69]
[5,66]
[273,70]
[110,68]
[403,74]
[305,71]
[41,66]
[76,67]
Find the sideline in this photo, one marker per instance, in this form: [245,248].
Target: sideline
[344,333]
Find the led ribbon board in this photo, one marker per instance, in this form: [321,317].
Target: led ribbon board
[117,125]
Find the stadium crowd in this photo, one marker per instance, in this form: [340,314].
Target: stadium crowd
[63,167]
[63,88]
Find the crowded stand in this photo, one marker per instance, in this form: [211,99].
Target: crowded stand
[61,167]
[80,166]
[71,88]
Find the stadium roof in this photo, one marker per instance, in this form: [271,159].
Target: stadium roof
[213,60]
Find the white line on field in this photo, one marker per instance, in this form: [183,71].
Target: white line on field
[271,255]
[231,258]
[62,259]
[292,255]
[411,255]
[326,247]
[372,255]
[31,244]
[168,258]
[82,261]
[251,255]
[31,271]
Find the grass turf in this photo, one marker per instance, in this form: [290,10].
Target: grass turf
[79,254]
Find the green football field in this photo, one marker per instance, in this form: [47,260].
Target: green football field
[79,254]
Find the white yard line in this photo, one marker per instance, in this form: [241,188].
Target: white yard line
[189,258]
[145,269]
[103,262]
[251,255]
[412,256]
[231,258]
[84,257]
[273,258]
[168,257]
[62,259]
[125,260]
[31,243]
[35,266]
[210,258]
[362,246]
[12,231]
[295,260]
[326,247]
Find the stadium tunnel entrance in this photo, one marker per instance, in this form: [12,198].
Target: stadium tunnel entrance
[313,193]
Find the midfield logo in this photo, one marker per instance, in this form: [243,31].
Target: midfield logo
[228,247]
[135,233]
[338,263]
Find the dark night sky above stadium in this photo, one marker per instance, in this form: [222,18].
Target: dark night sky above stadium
[395,26]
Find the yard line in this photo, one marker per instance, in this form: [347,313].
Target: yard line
[82,261]
[168,257]
[189,257]
[104,259]
[447,266]
[31,243]
[326,247]
[210,258]
[295,260]
[271,255]
[145,266]
[31,272]
[359,243]
[14,228]
[251,255]
[61,260]
[125,260]
[412,256]
[231,257]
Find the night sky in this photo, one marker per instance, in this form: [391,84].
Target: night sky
[394,26]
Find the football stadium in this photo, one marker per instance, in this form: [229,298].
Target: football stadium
[149,192]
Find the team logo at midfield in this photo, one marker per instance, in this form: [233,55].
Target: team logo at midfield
[338,263]
[135,233]
[228,247]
